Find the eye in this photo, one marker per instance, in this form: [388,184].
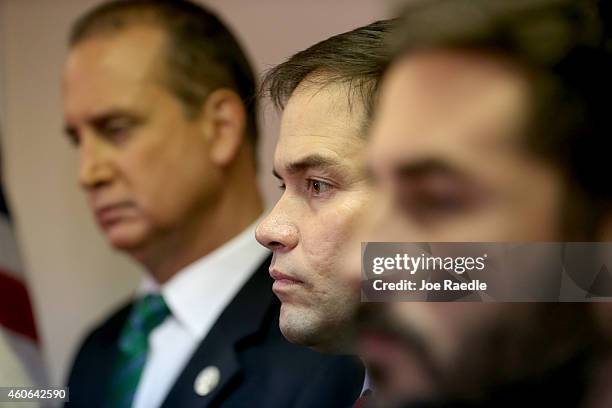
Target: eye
[117,133]
[117,130]
[318,187]
[440,203]
[428,206]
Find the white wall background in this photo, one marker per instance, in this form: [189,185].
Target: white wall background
[74,277]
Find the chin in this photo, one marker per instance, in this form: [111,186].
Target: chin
[126,238]
[305,328]
[298,326]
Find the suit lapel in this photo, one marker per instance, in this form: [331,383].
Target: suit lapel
[241,319]
[105,352]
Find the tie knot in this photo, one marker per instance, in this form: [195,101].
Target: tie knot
[147,313]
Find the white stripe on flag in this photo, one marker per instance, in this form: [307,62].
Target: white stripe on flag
[12,372]
[20,352]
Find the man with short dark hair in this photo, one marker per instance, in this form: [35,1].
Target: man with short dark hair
[326,92]
[491,128]
[158,101]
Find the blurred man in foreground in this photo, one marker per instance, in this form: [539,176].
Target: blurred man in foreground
[491,128]
[158,100]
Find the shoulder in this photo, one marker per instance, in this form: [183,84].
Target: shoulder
[308,378]
[109,329]
[336,383]
[94,361]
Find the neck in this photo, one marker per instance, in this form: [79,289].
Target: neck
[237,208]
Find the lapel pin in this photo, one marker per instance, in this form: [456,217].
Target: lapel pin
[206,381]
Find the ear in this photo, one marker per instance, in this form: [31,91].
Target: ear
[225,124]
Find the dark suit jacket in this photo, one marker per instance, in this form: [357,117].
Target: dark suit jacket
[259,368]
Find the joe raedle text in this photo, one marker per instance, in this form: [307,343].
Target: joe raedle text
[424,285]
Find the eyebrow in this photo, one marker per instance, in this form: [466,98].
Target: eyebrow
[101,120]
[424,167]
[313,161]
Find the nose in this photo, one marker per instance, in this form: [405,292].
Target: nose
[277,232]
[95,168]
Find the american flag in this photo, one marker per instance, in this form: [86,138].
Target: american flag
[20,357]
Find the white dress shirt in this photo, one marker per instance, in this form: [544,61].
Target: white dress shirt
[196,296]
[367,385]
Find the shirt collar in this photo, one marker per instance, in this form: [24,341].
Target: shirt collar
[198,293]
[366,382]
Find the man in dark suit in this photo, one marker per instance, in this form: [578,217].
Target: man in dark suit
[158,102]
[327,94]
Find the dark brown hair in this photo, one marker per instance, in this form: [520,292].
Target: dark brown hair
[356,58]
[561,46]
[201,53]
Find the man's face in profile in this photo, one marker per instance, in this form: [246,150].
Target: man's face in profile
[142,162]
[318,162]
[448,154]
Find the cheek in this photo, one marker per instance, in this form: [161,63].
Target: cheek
[485,225]
[528,207]
[541,213]
[493,225]
[321,245]
[166,178]
[327,234]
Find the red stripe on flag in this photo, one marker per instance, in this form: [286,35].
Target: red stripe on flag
[15,307]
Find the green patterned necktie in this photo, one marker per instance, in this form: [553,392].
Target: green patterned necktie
[147,313]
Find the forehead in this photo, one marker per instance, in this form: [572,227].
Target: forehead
[450,104]
[112,68]
[321,120]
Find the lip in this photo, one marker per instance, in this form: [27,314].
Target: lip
[111,213]
[283,281]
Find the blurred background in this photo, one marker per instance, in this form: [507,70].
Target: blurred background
[74,278]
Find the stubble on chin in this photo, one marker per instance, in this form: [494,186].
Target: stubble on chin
[297,326]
